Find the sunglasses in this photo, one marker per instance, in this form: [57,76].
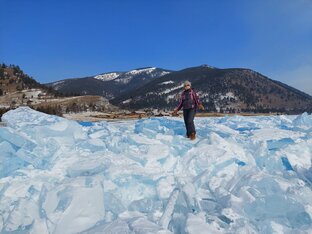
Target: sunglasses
[186,85]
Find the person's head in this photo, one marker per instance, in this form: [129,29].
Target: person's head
[187,85]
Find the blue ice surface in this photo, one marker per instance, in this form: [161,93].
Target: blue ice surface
[279,144]
[240,163]
[145,171]
[85,124]
[286,164]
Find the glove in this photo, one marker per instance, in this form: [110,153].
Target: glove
[201,107]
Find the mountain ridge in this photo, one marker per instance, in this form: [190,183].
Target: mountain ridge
[230,89]
[109,84]
[225,90]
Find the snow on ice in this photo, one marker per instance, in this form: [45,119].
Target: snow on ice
[242,175]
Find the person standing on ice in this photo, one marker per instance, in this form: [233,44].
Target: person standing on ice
[190,102]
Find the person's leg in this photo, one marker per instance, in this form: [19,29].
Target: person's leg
[185,117]
[191,124]
[191,121]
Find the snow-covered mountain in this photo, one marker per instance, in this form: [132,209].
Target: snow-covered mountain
[221,90]
[126,77]
[110,84]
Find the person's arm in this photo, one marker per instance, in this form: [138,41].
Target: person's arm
[197,101]
[179,106]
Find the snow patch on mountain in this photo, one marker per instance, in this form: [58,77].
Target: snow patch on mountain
[58,84]
[228,95]
[144,73]
[167,82]
[140,71]
[162,73]
[108,76]
[171,89]
[127,101]
[172,96]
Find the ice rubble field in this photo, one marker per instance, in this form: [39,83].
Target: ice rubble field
[242,175]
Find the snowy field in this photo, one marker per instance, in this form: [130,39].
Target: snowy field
[242,175]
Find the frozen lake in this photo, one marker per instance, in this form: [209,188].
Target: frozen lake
[241,175]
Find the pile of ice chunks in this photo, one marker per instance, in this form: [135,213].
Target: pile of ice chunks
[241,174]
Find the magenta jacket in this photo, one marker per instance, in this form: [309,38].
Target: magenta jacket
[185,103]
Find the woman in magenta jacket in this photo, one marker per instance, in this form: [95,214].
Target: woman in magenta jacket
[190,102]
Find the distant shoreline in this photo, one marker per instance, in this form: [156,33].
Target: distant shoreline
[103,117]
[99,116]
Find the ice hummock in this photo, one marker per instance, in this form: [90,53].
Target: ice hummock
[242,175]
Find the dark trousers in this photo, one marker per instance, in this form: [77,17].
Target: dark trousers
[188,115]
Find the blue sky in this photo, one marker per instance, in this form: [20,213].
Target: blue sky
[53,40]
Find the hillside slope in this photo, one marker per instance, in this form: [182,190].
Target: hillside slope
[19,89]
[109,85]
[223,90]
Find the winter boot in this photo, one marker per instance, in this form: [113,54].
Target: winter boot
[193,136]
